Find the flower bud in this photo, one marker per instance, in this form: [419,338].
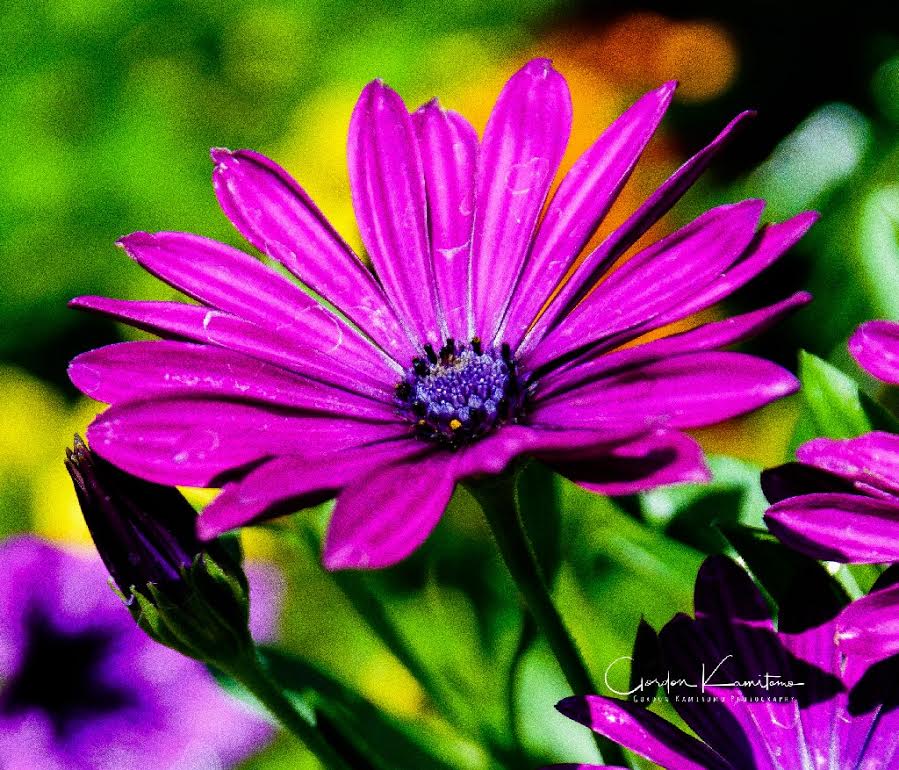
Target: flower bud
[187,595]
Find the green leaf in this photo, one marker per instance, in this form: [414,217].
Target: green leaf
[832,398]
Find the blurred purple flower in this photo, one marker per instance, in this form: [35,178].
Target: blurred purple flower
[83,688]
[808,719]
[840,502]
[465,347]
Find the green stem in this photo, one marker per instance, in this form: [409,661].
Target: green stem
[253,676]
[497,499]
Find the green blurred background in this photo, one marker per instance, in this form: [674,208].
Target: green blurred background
[108,110]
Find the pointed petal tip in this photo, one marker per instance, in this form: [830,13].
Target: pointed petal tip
[135,240]
[573,707]
[220,155]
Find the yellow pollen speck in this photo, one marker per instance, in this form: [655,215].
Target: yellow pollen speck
[455,424]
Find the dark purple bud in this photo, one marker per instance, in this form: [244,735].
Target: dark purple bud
[145,533]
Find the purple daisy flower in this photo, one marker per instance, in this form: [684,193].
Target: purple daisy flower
[465,346]
[840,502]
[808,717]
[83,688]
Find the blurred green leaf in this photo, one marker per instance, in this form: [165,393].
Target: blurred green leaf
[538,501]
[384,740]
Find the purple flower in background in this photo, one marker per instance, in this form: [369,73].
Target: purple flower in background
[83,688]
[791,710]
[463,348]
[840,502]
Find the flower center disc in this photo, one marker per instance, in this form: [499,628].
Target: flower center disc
[462,392]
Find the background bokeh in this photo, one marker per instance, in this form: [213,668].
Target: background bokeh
[108,109]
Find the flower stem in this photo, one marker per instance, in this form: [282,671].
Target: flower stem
[251,673]
[497,499]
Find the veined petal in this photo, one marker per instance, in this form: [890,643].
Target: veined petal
[625,236]
[871,459]
[523,145]
[229,280]
[664,457]
[199,442]
[686,391]
[869,627]
[580,204]
[276,216]
[658,279]
[838,527]
[215,327]
[641,731]
[449,148]
[136,371]
[292,482]
[875,345]
[388,185]
[718,334]
[381,519]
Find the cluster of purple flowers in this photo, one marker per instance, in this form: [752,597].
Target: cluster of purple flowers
[482,333]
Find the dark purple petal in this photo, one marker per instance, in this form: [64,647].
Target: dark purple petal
[625,236]
[449,147]
[276,215]
[642,732]
[388,185]
[838,527]
[666,457]
[289,483]
[523,145]
[133,371]
[875,345]
[197,323]
[869,627]
[872,459]
[195,442]
[381,519]
[580,204]
[686,391]
[718,334]
[655,282]
[794,479]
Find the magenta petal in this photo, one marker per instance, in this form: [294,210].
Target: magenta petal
[381,519]
[449,147]
[871,459]
[838,527]
[134,371]
[276,215]
[625,236]
[580,204]
[717,334]
[875,345]
[656,281]
[388,185]
[641,731]
[234,282]
[195,442]
[686,391]
[214,327]
[768,246]
[869,627]
[665,457]
[289,483]
[523,145]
